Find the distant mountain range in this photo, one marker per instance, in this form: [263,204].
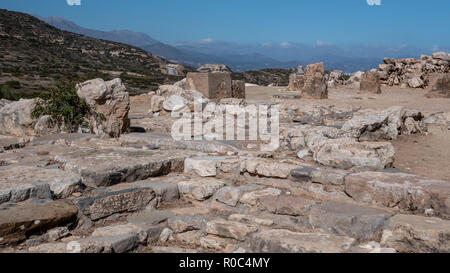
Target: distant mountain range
[241,57]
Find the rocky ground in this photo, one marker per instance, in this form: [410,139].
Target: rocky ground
[346,178]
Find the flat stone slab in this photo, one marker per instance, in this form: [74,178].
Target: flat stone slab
[108,203]
[19,183]
[183,223]
[405,191]
[105,167]
[205,166]
[167,142]
[267,168]
[200,189]
[229,229]
[417,234]
[285,241]
[18,221]
[362,223]
[286,205]
[165,188]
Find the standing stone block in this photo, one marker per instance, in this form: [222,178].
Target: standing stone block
[238,89]
[315,86]
[370,83]
[296,82]
[212,85]
[440,85]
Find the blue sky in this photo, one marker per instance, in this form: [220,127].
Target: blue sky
[417,23]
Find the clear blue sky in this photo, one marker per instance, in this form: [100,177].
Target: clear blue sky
[342,22]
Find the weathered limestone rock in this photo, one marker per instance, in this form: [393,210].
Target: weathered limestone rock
[15,118]
[19,183]
[229,229]
[417,234]
[285,241]
[370,83]
[174,103]
[267,168]
[109,203]
[238,89]
[203,166]
[370,125]
[156,104]
[286,205]
[165,190]
[440,85]
[106,244]
[200,189]
[329,176]
[231,195]
[252,197]
[111,102]
[110,166]
[251,219]
[345,154]
[406,191]
[362,223]
[183,223]
[302,174]
[211,85]
[315,86]
[296,82]
[121,229]
[18,221]
[167,142]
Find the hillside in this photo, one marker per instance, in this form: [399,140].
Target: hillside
[34,54]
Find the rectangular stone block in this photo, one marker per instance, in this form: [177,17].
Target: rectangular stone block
[212,85]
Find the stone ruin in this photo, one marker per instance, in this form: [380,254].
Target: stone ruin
[328,187]
[412,72]
[312,83]
[217,85]
[370,83]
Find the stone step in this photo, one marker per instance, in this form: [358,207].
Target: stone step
[361,223]
[18,221]
[407,192]
[417,234]
[19,183]
[106,167]
[167,142]
[285,241]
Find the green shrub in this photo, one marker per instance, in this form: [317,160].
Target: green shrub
[63,104]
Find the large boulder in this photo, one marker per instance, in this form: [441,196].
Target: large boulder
[16,119]
[111,104]
[370,83]
[315,86]
[440,85]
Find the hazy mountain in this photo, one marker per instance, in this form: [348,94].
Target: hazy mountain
[243,57]
[121,36]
